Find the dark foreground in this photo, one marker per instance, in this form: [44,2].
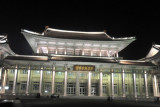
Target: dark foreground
[78,103]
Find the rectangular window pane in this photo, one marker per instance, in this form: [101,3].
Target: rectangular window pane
[36,72]
[10,85]
[48,72]
[115,89]
[24,71]
[136,88]
[35,85]
[47,86]
[12,71]
[59,87]
[126,87]
[23,85]
[104,88]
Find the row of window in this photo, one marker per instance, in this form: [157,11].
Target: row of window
[35,86]
[12,71]
[126,88]
[72,74]
[68,51]
[59,85]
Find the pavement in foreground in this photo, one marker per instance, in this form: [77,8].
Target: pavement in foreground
[85,103]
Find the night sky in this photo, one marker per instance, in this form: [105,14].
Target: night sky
[119,17]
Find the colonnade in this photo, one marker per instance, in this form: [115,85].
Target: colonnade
[154,78]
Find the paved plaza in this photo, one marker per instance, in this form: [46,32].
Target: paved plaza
[77,102]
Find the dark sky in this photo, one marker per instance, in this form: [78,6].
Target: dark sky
[120,18]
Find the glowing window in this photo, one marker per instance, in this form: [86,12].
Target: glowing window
[44,50]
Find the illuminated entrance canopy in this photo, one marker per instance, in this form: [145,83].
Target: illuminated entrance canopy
[84,68]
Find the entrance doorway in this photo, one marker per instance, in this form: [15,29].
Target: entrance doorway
[82,89]
[94,89]
[71,89]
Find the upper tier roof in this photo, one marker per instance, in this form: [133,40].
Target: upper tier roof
[51,35]
[79,35]
[65,34]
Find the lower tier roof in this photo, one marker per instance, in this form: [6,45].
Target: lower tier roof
[78,59]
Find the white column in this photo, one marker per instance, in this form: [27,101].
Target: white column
[158,89]
[117,54]
[89,83]
[91,52]
[15,80]
[134,85]
[112,83]
[77,84]
[38,50]
[82,51]
[4,81]
[0,73]
[123,83]
[145,83]
[100,53]
[40,81]
[100,84]
[56,51]
[28,80]
[155,85]
[53,79]
[65,82]
[65,51]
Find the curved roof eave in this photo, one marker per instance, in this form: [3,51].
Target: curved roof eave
[66,34]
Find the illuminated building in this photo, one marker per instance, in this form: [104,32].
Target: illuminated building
[74,63]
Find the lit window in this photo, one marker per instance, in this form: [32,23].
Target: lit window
[95,53]
[115,89]
[24,72]
[115,75]
[36,72]
[12,71]
[59,73]
[52,50]
[87,52]
[125,75]
[44,50]
[94,75]
[23,85]
[103,53]
[35,85]
[48,72]
[104,75]
[70,51]
[61,51]
[78,52]
[82,74]
[47,86]
[10,85]
[59,87]
[70,74]
[105,88]
[126,87]
[136,88]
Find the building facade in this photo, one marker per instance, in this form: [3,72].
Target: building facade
[74,63]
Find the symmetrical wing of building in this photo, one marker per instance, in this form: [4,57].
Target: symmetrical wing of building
[74,63]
